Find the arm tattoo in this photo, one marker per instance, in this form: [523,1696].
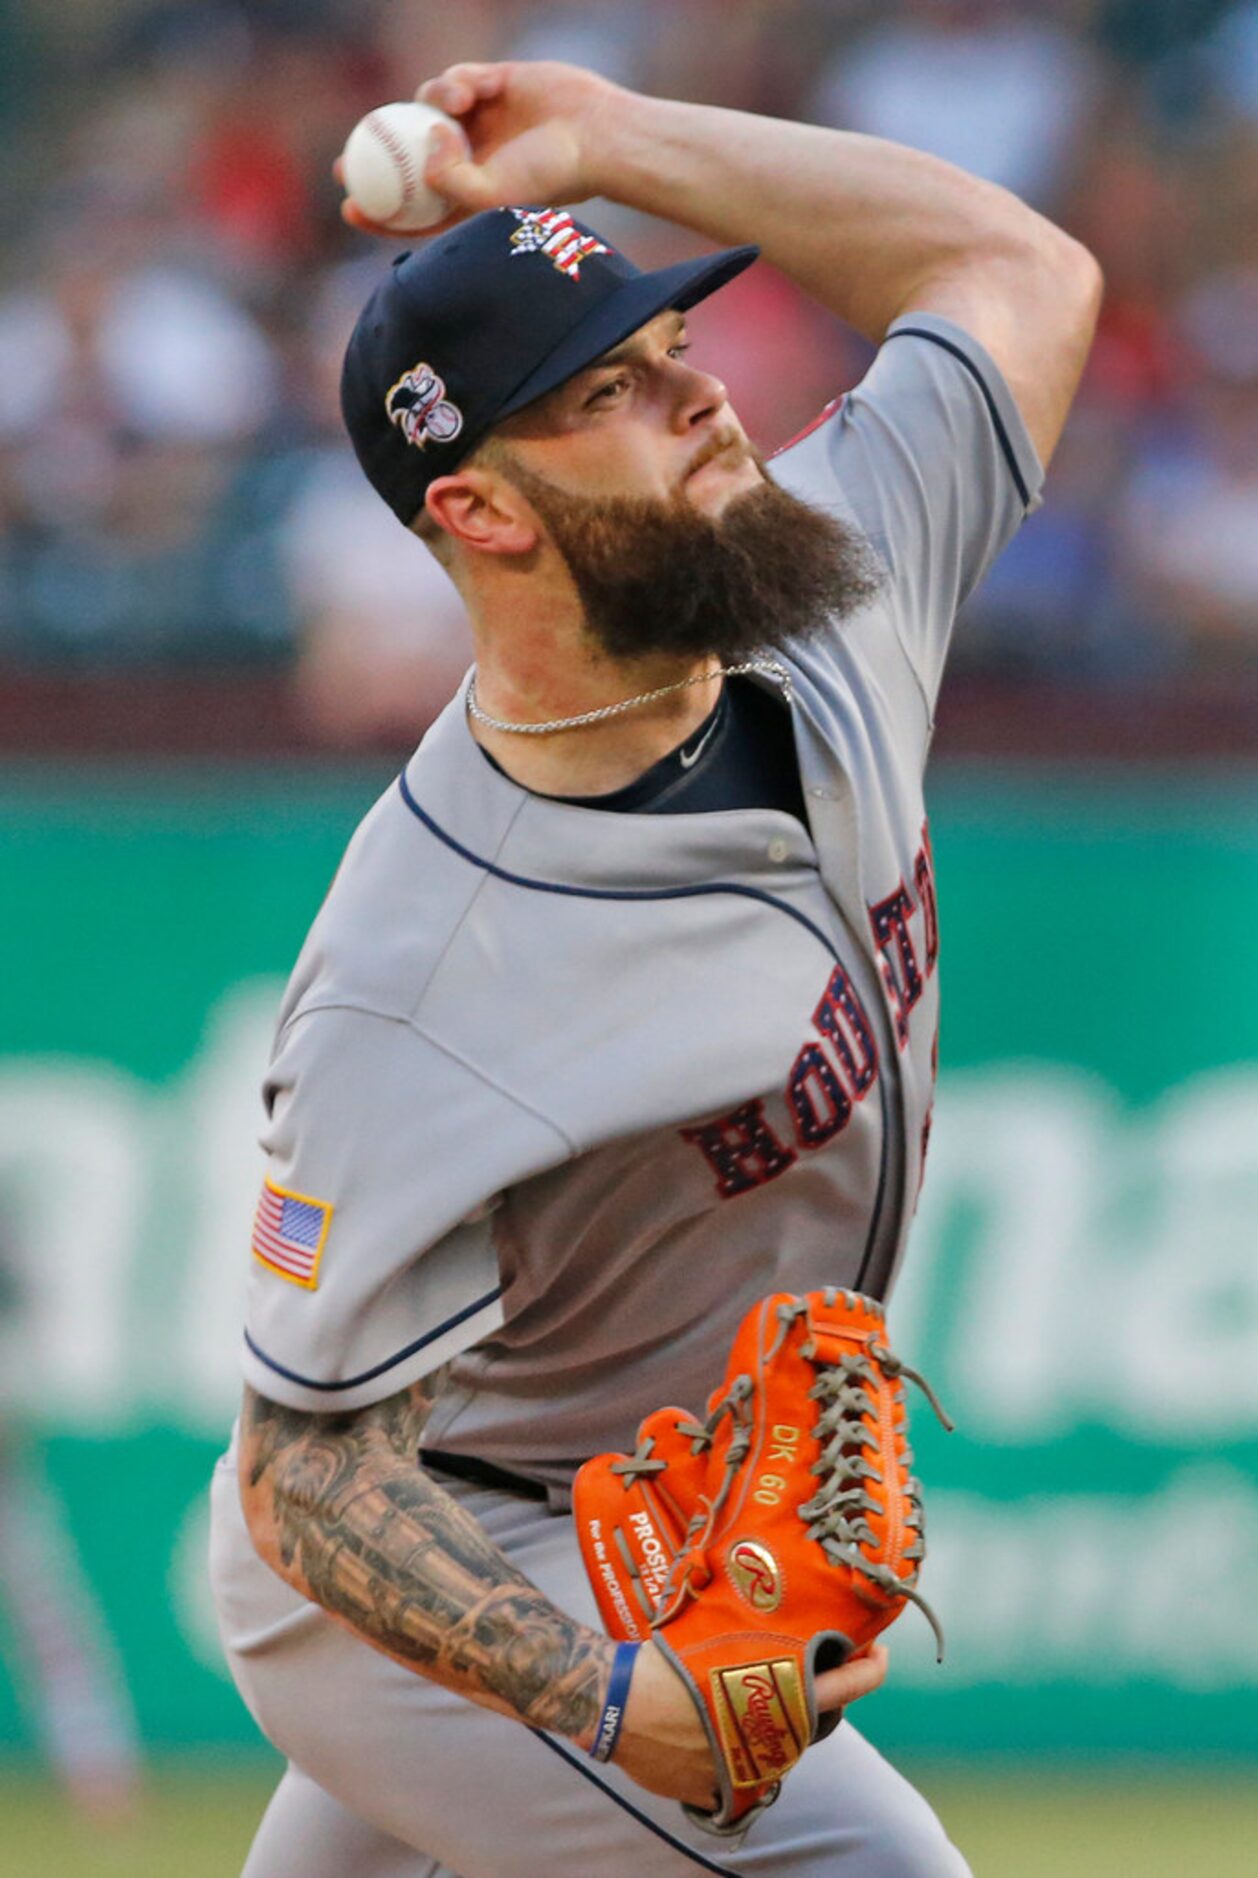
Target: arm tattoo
[350,1519]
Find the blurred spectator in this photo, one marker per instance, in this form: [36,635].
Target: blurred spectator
[1233,58]
[1050,602]
[1139,214]
[613,42]
[1190,517]
[992,85]
[137,341]
[63,1660]
[128,383]
[383,633]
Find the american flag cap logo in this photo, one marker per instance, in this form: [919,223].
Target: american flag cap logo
[553,232]
[289,1230]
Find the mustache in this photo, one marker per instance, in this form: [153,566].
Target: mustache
[721,443]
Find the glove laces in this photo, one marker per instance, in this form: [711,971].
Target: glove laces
[836,1514]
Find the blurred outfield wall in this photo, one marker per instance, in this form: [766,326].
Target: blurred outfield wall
[1083,1288]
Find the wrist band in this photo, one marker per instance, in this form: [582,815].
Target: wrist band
[607,1733]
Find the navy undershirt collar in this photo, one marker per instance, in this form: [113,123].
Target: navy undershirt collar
[742,756]
[650,791]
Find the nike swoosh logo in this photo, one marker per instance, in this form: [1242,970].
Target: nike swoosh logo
[688,758]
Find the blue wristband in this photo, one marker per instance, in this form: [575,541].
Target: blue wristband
[607,1733]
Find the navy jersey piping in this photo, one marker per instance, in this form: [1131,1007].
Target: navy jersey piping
[1002,435]
[377,1369]
[627,1806]
[673,893]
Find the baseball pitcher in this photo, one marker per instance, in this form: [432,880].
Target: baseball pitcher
[600,1096]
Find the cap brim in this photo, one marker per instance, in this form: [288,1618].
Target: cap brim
[639,300]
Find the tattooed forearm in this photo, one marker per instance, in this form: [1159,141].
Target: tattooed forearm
[340,1507]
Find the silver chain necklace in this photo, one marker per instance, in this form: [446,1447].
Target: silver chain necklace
[771,668]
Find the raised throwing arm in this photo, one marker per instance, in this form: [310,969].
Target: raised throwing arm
[869,228]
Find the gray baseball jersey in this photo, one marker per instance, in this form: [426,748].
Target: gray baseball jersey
[558,1093]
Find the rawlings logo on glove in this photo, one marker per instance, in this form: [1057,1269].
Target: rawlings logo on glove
[770,1541]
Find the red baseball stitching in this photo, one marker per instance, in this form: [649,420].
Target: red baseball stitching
[400,154]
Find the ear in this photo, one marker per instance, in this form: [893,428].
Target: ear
[483,511]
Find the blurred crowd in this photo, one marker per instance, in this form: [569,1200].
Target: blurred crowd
[176,288]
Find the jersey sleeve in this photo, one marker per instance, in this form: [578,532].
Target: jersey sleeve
[373,1258]
[930,457]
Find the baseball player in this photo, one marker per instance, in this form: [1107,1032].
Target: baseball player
[621,1011]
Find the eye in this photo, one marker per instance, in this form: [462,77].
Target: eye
[606,394]
[679,350]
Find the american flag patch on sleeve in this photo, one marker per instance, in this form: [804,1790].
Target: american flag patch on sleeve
[288,1233]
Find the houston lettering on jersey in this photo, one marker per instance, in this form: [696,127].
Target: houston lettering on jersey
[830,1074]
[836,1069]
[904,971]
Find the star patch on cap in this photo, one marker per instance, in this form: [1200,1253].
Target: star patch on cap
[418,405]
[553,233]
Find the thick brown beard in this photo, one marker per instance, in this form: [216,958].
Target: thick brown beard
[659,576]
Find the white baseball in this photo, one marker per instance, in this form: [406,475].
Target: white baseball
[384,159]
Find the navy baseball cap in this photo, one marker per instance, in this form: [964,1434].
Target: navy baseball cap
[481,321]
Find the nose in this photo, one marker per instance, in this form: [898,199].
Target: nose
[698,395]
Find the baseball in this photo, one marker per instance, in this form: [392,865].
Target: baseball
[384,159]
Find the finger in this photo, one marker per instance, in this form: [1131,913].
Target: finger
[459,181]
[351,213]
[447,145]
[460,88]
[861,1675]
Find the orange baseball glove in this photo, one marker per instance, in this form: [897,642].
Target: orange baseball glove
[771,1540]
